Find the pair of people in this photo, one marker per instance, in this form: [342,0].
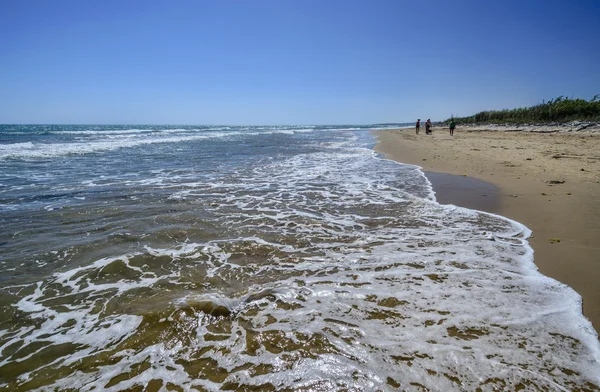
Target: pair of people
[427,126]
[428,130]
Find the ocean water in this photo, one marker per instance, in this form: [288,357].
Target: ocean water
[167,258]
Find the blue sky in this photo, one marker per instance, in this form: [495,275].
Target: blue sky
[289,62]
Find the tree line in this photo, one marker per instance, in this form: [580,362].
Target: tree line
[560,109]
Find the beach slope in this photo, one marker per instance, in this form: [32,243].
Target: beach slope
[547,180]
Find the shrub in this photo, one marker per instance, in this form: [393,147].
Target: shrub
[559,109]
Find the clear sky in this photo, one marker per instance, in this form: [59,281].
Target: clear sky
[290,62]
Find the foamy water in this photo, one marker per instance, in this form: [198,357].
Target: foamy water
[273,258]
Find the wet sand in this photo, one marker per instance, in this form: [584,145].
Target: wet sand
[521,174]
[464,191]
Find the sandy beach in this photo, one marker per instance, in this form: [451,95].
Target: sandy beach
[547,178]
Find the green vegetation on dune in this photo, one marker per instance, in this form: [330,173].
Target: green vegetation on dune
[560,109]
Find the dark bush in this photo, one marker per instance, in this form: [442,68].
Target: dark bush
[559,110]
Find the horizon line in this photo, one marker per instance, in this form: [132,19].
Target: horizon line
[217,125]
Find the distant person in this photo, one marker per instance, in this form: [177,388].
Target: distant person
[418,126]
[428,127]
[452,126]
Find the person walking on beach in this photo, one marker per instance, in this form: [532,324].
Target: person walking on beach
[452,126]
[428,127]
[418,126]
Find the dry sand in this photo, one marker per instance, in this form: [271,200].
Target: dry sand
[523,165]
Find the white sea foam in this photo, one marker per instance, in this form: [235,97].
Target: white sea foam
[450,309]
[108,132]
[331,270]
[7,148]
[50,150]
[118,139]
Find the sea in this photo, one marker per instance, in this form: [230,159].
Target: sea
[264,258]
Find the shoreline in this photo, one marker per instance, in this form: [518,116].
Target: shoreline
[469,192]
[546,181]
